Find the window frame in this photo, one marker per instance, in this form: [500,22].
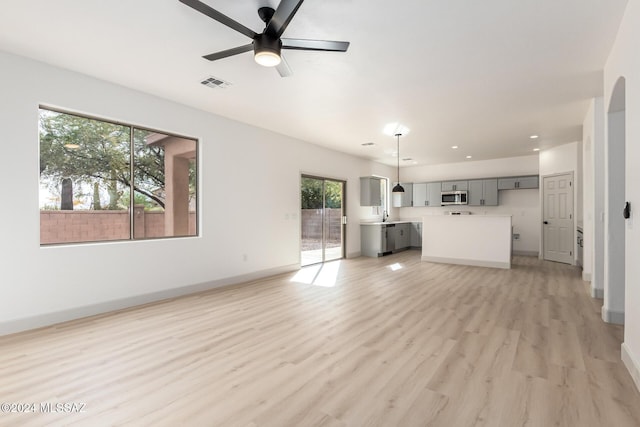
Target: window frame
[131,211]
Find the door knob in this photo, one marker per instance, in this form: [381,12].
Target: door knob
[546,222]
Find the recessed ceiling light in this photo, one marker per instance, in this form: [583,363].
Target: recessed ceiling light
[455,147]
[468,157]
[536,149]
[534,137]
[367,144]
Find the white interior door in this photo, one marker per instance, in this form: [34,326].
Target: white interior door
[557,218]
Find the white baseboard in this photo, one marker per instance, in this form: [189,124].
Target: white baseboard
[586,276]
[525,253]
[597,293]
[48,319]
[354,255]
[472,262]
[632,364]
[610,316]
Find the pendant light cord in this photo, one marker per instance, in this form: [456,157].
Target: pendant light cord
[398,156]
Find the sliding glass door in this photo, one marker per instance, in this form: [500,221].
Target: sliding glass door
[323,220]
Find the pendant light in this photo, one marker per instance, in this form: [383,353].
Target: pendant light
[398,190]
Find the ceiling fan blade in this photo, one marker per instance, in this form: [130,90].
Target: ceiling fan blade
[223,19]
[325,45]
[229,52]
[282,16]
[283,68]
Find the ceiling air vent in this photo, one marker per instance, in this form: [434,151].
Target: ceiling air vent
[214,82]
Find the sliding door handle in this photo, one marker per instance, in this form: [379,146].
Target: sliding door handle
[546,222]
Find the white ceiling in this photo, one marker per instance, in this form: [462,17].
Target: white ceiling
[483,75]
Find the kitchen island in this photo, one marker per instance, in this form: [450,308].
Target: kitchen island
[479,240]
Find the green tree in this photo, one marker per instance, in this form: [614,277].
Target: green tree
[312,193]
[96,152]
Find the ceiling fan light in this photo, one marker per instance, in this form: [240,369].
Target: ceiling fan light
[267,58]
[266,50]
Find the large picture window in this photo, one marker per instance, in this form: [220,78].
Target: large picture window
[89,170]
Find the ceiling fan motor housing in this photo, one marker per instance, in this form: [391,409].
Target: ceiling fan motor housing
[264,43]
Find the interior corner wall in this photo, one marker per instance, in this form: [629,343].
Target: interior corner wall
[593,197]
[246,233]
[598,198]
[557,160]
[624,61]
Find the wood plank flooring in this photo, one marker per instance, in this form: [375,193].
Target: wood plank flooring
[420,345]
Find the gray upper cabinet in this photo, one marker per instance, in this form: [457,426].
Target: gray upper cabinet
[483,192]
[434,198]
[370,194]
[528,181]
[518,182]
[407,197]
[426,194]
[420,194]
[455,185]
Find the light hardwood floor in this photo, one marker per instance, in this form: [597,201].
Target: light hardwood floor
[422,345]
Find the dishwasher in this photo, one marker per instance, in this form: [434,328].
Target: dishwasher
[390,238]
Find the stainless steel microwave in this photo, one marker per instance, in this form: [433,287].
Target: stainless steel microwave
[453,198]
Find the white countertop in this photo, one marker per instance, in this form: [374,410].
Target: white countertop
[387,222]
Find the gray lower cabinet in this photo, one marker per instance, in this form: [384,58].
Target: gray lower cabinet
[373,240]
[370,194]
[403,235]
[518,182]
[427,194]
[416,234]
[455,185]
[378,239]
[483,192]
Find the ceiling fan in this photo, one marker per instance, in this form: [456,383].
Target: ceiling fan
[268,44]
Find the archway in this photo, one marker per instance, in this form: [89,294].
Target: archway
[614,265]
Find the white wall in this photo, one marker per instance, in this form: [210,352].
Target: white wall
[513,166]
[523,205]
[561,159]
[624,61]
[614,249]
[260,218]
[593,196]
